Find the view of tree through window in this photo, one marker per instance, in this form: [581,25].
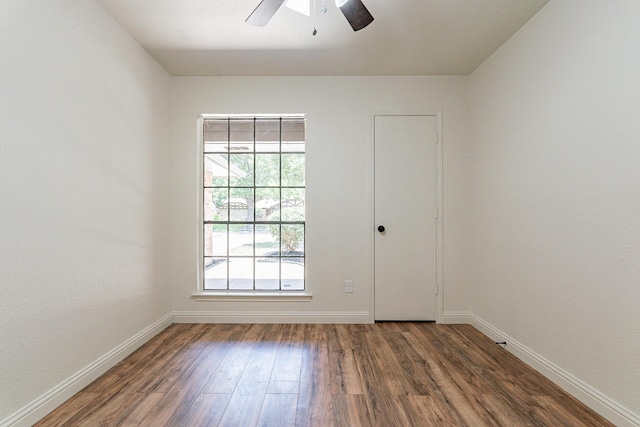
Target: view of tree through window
[254,203]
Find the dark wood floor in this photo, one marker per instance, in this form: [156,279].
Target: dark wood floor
[387,375]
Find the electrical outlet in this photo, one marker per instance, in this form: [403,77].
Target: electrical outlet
[348,286]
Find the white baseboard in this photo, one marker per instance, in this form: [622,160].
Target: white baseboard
[455,318]
[55,397]
[270,317]
[611,410]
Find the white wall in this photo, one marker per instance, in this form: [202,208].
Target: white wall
[84,214]
[339,182]
[555,192]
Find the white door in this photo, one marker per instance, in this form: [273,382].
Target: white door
[405,205]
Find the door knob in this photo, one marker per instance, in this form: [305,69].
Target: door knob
[381,228]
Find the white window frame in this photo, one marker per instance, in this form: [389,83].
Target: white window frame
[231,295]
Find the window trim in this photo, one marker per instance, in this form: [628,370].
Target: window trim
[276,296]
[231,295]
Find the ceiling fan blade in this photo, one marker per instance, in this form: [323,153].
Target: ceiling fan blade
[357,14]
[263,13]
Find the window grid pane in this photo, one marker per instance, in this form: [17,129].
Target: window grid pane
[254,201]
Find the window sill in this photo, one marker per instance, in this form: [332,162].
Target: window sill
[251,296]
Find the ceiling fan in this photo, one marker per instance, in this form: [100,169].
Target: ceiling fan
[354,10]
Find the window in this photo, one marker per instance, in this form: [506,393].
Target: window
[253,227]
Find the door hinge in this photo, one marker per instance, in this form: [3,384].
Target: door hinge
[437,213]
[437,289]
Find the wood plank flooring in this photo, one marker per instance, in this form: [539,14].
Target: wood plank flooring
[386,374]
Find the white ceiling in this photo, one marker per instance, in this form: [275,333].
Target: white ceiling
[407,37]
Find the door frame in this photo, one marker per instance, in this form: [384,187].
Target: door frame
[439,286]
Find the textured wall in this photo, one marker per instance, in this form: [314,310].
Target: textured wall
[339,177]
[84,194]
[555,191]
